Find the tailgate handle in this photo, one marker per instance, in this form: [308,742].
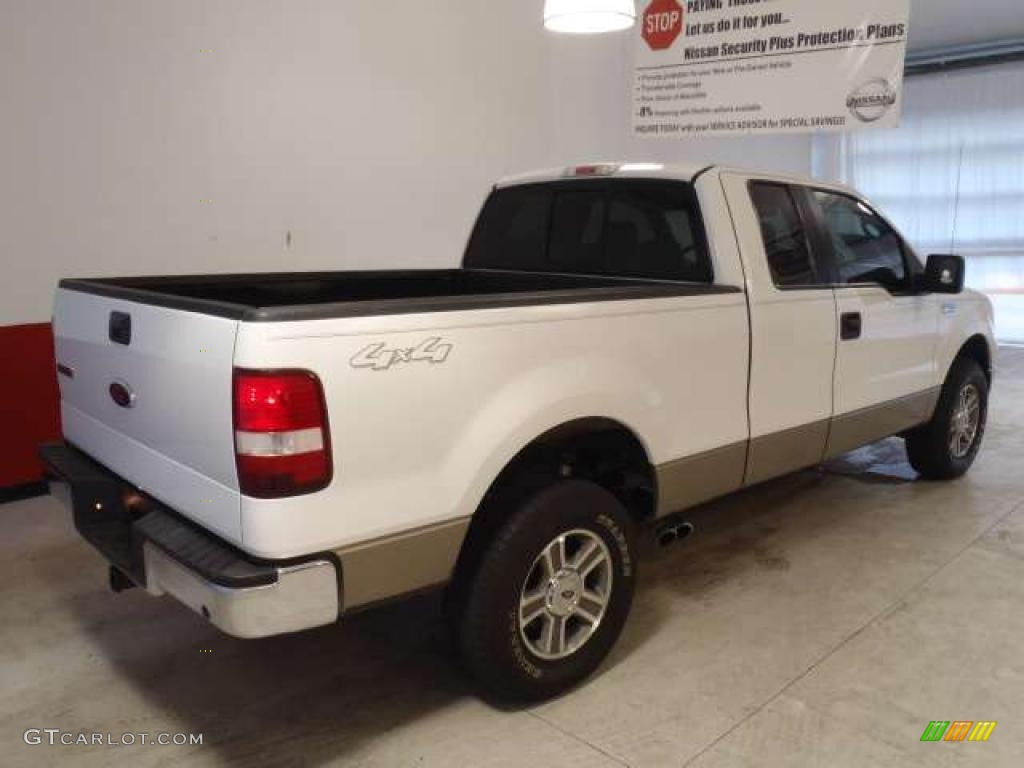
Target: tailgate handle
[120,328]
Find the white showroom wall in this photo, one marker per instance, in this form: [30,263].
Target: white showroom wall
[149,136]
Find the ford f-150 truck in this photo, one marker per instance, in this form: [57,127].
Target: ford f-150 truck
[621,342]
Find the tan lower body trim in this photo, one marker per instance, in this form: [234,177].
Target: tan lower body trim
[786,451]
[857,428]
[396,565]
[686,482]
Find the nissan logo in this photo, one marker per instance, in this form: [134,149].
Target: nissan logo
[872,100]
[122,394]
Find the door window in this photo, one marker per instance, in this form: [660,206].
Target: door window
[786,244]
[865,249]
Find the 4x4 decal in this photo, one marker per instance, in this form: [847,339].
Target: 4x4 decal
[380,358]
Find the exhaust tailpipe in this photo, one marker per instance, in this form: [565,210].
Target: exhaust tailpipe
[670,534]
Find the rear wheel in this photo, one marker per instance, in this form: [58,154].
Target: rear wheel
[551,592]
[947,445]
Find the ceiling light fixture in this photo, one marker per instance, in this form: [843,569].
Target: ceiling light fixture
[588,17]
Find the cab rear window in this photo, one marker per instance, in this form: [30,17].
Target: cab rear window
[626,228]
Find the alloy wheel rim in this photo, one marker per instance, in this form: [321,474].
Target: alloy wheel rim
[963,427]
[565,594]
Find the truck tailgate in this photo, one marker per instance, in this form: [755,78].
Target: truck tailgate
[171,434]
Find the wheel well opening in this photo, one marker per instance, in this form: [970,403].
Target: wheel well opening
[600,450]
[977,349]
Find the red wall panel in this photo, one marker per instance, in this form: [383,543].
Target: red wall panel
[29,400]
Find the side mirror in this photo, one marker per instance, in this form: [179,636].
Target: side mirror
[944,273]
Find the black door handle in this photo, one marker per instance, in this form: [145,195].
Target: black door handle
[120,328]
[849,326]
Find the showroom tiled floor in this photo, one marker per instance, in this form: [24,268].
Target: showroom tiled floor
[822,619]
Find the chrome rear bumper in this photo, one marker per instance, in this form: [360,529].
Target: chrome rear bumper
[152,546]
[303,596]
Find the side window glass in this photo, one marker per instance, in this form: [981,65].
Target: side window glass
[785,238]
[865,248]
[652,232]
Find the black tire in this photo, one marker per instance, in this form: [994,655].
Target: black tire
[929,446]
[499,653]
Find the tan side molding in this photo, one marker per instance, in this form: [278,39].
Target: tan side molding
[695,479]
[787,451]
[396,565]
[866,425]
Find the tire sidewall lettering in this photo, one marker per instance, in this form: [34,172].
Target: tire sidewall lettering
[518,652]
[620,541]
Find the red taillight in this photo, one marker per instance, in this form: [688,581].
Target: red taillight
[282,443]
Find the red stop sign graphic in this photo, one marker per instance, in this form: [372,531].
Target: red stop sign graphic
[662,23]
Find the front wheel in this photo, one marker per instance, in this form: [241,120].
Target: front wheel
[551,593]
[947,445]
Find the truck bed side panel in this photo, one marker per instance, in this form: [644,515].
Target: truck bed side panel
[419,436]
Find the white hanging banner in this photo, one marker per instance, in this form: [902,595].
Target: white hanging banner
[713,67]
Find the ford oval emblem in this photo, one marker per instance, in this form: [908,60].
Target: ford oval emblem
[122,394]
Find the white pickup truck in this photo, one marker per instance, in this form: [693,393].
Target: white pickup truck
[622,342]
